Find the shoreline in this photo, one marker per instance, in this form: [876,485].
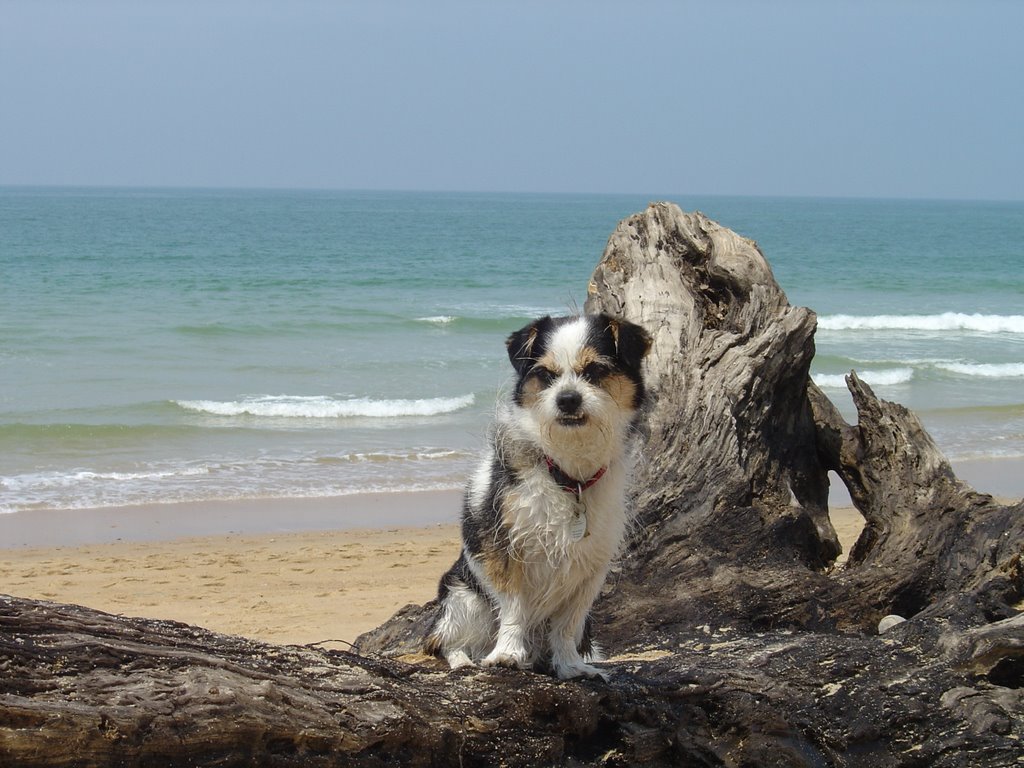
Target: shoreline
[1002,478]
[190,519]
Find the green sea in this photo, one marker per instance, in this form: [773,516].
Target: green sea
[161,345]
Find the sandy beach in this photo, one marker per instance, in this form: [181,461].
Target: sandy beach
[325,587]
[284,571]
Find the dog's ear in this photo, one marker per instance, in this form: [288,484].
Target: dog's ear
[632,343]
[523,348]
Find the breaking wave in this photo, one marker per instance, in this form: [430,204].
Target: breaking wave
[881,378]
[985,370]
[947,321]
[297,407]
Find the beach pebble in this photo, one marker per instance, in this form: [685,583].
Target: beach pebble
[889,622]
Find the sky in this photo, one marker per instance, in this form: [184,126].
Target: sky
[911,98]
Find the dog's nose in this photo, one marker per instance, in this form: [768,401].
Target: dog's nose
[569,401]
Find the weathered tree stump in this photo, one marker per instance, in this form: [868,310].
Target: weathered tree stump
[733,495]
[734,638]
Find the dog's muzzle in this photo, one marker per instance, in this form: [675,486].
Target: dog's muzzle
[569,403]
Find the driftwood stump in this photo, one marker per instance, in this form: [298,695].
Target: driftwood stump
[734,638]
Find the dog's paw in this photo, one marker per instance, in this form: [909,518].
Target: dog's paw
[459,659]
[575,670]
[507,660]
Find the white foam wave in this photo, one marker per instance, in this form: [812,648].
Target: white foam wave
[295,407]
[985,370]
[881,378]
[84,477]
[438,320]
[947,321]
[378,457]
[239,477]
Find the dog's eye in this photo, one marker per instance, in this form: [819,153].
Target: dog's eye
[595,372]
[545,375]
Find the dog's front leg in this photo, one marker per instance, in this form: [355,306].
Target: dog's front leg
[510,648]
[566,633]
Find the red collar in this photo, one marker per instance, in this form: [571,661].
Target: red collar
[571,484]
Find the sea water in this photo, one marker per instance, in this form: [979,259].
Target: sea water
[180,345]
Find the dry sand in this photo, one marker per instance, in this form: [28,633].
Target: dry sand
[282,588]
[283,581]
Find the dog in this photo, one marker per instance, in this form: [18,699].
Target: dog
[544,514]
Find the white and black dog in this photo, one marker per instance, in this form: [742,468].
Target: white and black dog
[544,514]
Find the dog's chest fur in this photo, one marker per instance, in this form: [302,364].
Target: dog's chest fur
[526,535]
[549,527]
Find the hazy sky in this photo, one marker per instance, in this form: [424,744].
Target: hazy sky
[902,99]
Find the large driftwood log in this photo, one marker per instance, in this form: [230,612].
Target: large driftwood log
[733,495]
[734,639]
[82,688]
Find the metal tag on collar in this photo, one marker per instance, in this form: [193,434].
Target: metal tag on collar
[578,525]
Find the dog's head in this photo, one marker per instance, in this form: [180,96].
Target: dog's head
[579,378]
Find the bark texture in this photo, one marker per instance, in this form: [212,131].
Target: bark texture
[734,639]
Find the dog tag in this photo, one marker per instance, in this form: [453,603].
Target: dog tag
[578,525]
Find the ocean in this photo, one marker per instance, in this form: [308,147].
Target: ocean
[165,345]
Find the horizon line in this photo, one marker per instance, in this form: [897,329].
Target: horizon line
[659,196]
